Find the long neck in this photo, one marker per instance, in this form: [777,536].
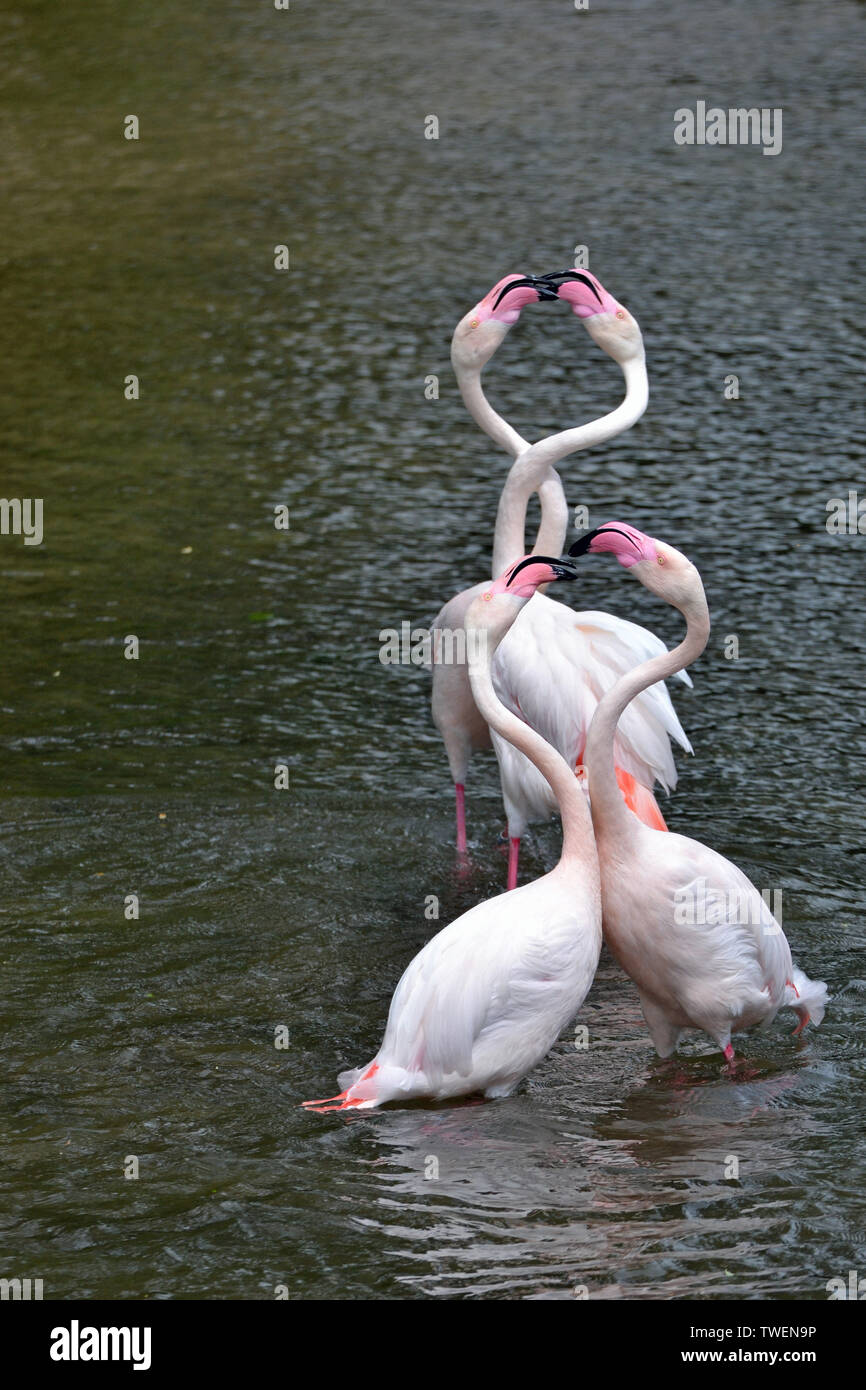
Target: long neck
[609,810]
[509,536]
[534,469]
[548,452]
[482,412]
[577,839]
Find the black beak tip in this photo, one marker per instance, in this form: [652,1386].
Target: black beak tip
[544,289]
[582,544]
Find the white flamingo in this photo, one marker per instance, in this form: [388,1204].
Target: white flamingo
[476,338]
[555,664]
[487,997]
[686,924]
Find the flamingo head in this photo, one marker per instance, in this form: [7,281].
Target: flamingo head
[480,332]
[529,574]
[494,609]
[660,568]
[607,321]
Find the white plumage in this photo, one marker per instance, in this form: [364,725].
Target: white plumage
[687,925]
[727,971]
[554,665]
[551,670]
[487,997]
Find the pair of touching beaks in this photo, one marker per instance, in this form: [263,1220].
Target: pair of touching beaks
[601,539]
[548,286]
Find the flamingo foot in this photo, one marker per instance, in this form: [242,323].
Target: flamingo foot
[343,1100]
[460,793]
[324,1107]
[513,854]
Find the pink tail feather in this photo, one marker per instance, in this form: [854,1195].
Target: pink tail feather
[640,799]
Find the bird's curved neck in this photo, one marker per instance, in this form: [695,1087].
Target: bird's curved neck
[548,452]
[482,412]
[509,536]
[609,811]
[534,471]
[577,838]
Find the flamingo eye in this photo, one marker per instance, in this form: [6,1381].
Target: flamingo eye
[620,313]
[473,323]
[661,559]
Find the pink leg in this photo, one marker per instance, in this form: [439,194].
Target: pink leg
[460,791]
[729,1056]
[513,852]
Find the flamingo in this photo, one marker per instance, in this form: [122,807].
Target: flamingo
[486,998]
[735,971]
[555,664]
[476,338]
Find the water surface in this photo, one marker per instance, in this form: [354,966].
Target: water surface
[262,908]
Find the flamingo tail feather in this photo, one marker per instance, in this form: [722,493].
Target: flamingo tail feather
[640,799]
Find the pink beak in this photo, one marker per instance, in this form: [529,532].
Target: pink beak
[586,295]
[511,294]
[616,538]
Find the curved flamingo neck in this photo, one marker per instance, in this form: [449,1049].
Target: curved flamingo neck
[548,452]
[509,536]
[534,470]
[609,811]
[483,414]
[577,838]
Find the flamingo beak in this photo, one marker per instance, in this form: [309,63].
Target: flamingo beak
[538,283]
[557,278]
[581,546]
[586,544]
[545,290]
[562,568]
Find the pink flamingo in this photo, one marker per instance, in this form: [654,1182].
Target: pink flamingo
[553,666]
[722,975]
[488,996]
[476,338]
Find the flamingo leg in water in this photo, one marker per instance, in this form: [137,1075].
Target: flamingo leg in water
[729,1058]
[460,792]
[513,855]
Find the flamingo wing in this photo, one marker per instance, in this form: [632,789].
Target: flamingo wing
[552,669]
[496,984]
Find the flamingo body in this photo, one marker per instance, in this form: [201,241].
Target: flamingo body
[554,665]
[488,996]
[685,923]
[726,974]
[551,670]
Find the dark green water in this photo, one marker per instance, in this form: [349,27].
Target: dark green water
[261,908]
